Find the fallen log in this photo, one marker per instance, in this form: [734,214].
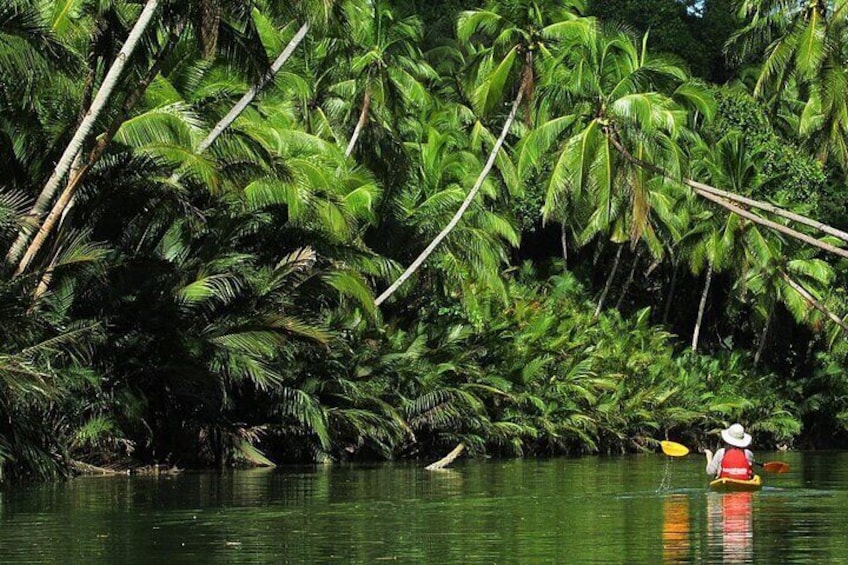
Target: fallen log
[447,459]
[89,469]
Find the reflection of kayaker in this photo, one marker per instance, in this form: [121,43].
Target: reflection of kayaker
[731,526]
[676,534]
[733,461]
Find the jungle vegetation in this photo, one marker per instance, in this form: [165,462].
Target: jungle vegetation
[239,232]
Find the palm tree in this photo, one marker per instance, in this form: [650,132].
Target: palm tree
[606,94]
[604,91]
[386,66]
[714,243]
[443,162]
[803,43]
[75,145]
[62,203]
[518,33]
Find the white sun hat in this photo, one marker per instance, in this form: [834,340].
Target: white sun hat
[735,435]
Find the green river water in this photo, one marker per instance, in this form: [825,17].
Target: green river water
[633,509]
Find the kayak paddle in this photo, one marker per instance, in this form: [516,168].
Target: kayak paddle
[674,449]
[777,467]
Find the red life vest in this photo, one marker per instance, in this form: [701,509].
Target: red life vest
[734,465]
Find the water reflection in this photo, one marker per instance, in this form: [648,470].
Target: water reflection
[730,528]
[676,529]
[587,510]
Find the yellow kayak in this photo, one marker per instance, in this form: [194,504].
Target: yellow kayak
[734,485]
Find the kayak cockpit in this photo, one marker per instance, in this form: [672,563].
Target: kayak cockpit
[734,485]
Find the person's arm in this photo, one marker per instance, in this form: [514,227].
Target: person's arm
[749,455]
[714,461]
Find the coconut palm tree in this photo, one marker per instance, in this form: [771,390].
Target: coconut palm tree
[803,43]
[443,161]
[386,71]
[517,49]
[606,99]
[98,103]
[715,241]
[607,91]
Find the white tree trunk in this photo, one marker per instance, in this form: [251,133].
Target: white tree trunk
[768,208]
[248,97]
[458,215]
[563,239]
[363,117]
[701,307]
[79,169]
[75,145]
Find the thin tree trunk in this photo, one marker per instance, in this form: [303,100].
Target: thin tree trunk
[722,198]
[629,280]
[248,97]
[599,250]
[563,239]
[44,281]
[463,207]
[815,303]
[76,166]
[62,204]
[363,118]
[670,297]
[773,225]
[609,281]
[210,21]
[768,208]
[763,337]
[701,307]
[75,145]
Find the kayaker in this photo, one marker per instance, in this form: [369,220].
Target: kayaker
[733,461]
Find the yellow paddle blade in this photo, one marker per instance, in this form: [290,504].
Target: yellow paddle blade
[673,449]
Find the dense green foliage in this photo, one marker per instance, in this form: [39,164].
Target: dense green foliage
[208,301]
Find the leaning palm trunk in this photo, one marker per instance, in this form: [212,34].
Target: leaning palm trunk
[463,207]
[773,225]
[248,97]
[363,118]
[608,284]
[75,145]
[726,199]
[701,307]
[810,299]
[79,170]
[701,187]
